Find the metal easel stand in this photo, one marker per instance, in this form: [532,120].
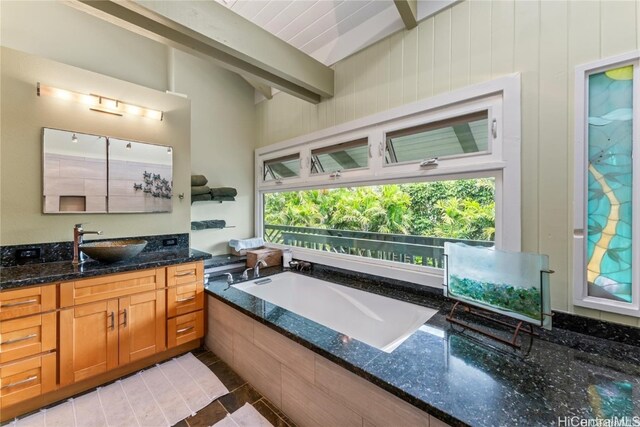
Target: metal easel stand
[521,326]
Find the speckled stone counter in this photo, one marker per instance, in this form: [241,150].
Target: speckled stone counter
[48,272]
[464,378]
[224,260]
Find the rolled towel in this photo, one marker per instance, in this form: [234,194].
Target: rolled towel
[223,199]
[215,223]
[240,244]
[202,189]
[201,198]
[198,180]
[224,192]
[197,225]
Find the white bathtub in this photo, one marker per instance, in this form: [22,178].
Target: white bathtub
[379,321]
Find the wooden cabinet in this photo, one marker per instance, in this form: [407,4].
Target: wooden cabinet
[185,303]
[54,337]
[27,343]
[111,321]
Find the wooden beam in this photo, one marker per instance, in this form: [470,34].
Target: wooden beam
[211,31]
[263,88]
[408,10]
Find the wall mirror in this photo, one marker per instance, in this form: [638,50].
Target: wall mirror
[85,173]
[139,177]
[75,172]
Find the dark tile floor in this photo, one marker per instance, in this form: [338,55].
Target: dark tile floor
[240,392]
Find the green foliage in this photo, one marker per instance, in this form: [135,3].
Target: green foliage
[519,300]
[463,209]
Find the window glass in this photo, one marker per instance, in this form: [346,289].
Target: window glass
[406,223]
[451,137]
[609,186]
[339,157]
[282,167]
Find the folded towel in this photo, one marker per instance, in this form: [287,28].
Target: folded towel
[223,199]
[224,192]
[208,224]
[198,180]
[200,198]
[241,244]
[201,189]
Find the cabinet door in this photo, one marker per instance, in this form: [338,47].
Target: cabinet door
[88,340]
[142,325]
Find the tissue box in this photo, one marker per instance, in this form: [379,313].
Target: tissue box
[272,257]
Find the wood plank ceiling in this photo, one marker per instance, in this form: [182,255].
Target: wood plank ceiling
[321,28]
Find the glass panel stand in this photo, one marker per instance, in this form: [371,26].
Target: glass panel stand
[520,326]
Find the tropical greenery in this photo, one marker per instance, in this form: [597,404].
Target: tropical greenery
[463,209]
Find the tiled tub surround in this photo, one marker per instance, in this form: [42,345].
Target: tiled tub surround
[59,267]
[320,377]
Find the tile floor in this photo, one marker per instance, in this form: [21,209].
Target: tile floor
[241,392]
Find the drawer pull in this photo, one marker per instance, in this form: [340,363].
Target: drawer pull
[113,320]
[185,273]
[125,318]
[15,340]
[188,328]
[24,381]
[19,303]
[186,299]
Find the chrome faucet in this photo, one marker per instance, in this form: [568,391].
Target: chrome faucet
[256,269]
[245,273]
[78,239]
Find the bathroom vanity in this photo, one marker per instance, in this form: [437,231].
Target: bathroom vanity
[65,330]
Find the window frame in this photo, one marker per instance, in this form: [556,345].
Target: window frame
[502,96]
[580,290]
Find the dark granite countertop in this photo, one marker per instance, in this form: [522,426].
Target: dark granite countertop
[48,272]
[464,378]
[224,260]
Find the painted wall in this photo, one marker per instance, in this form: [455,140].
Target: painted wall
[476,41]
[222,124]
[222,144]
[23,115]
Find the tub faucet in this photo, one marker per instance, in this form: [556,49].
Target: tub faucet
[256,269]
[78,239]
[245,273]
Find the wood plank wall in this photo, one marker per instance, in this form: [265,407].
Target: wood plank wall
[472,42]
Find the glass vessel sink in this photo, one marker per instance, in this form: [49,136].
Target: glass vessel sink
[113,250]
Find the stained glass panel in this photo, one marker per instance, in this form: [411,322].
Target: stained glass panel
[609,215]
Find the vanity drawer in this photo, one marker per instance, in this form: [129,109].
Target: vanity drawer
[27,336]
[112,286]
[27,378]
[23,302]
[185,328]
[185,273]
[185,299]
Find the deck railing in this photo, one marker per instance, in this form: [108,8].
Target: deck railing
[410,249]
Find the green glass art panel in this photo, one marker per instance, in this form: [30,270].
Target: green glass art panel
[610,141]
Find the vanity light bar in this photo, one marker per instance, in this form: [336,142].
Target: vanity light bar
[99,103]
